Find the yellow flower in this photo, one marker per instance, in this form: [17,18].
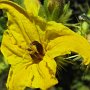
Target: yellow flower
[30,45]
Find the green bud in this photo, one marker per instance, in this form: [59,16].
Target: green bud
[85,27]
[51,10]
[55,3]
[55,9]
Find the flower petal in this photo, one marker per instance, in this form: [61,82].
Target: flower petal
[41,75]
[67,43]
[54,30]
[23,22]
[32,6]
[20,76]
[43,72]
[12,51]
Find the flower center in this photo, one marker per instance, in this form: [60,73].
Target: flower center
[37,55]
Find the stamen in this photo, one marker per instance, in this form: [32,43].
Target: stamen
[36,57]
[36,54]
[38,46]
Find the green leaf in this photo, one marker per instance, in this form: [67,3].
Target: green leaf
[3,21]
[42,12]
[67,12]
[46,8]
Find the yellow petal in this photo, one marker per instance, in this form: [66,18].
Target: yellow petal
[20,76]
[32,6]
[12,51]
[54,30]
[63,41]
[40,75]
[45,71]
[67,43]
[21,20]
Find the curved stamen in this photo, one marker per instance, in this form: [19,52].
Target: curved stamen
[39,47]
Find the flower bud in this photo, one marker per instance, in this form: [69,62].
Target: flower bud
[55,4]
